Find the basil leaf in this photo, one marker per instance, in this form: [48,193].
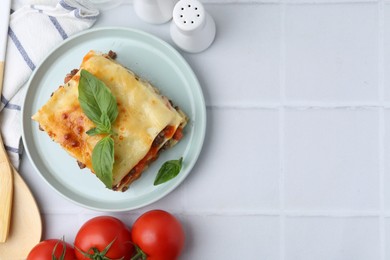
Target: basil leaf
[105,122]
[99,105]
[96,100]
[168,171]
[98,131]
[104,128]
[93,131]
[103,160]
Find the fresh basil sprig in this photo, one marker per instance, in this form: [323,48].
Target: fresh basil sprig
[103,160]
[169,170]
[99,105]
[97,102]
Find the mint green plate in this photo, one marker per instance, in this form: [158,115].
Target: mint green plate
[149,57]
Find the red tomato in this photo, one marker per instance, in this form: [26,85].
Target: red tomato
[45,250]
[159,235]
[96,235]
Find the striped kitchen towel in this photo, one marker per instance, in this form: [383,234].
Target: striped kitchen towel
[34,30]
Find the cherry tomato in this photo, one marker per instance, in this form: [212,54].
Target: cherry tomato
[45,250]
[104,236]
[158,235]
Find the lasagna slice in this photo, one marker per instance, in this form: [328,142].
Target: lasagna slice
[147,122]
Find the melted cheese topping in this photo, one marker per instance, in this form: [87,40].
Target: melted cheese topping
[143,114]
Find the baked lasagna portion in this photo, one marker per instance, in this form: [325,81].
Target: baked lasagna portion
[147,121]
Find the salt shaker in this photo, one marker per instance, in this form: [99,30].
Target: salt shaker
[154,11]
[192,28]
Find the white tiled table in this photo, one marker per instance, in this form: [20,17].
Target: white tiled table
[296,161]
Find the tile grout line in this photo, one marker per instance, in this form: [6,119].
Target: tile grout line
[338,213]
[282,82]
[282,213]
[381,88]
[289,2]
[328,2]
[305,105]
[382,214]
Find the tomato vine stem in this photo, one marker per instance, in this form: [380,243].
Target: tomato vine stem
[140,254]
[97,255]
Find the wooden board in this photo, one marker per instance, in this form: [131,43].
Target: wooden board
[26,224]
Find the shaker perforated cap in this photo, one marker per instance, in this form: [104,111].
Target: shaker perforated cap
[189,15]
[192,28]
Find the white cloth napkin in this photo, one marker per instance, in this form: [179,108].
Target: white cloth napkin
[34,31]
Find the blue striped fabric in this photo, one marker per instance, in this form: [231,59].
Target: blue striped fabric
[8,105]
[13,107]
[36,9]
[76,11]
[20,48]
[66,18]
[4,100]
[12,149]
[78,15]
[66,6]
[58,26]
[55,22]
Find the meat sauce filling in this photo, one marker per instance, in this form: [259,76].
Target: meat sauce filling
[167,133]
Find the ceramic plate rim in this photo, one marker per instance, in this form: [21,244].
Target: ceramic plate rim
[201,115]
